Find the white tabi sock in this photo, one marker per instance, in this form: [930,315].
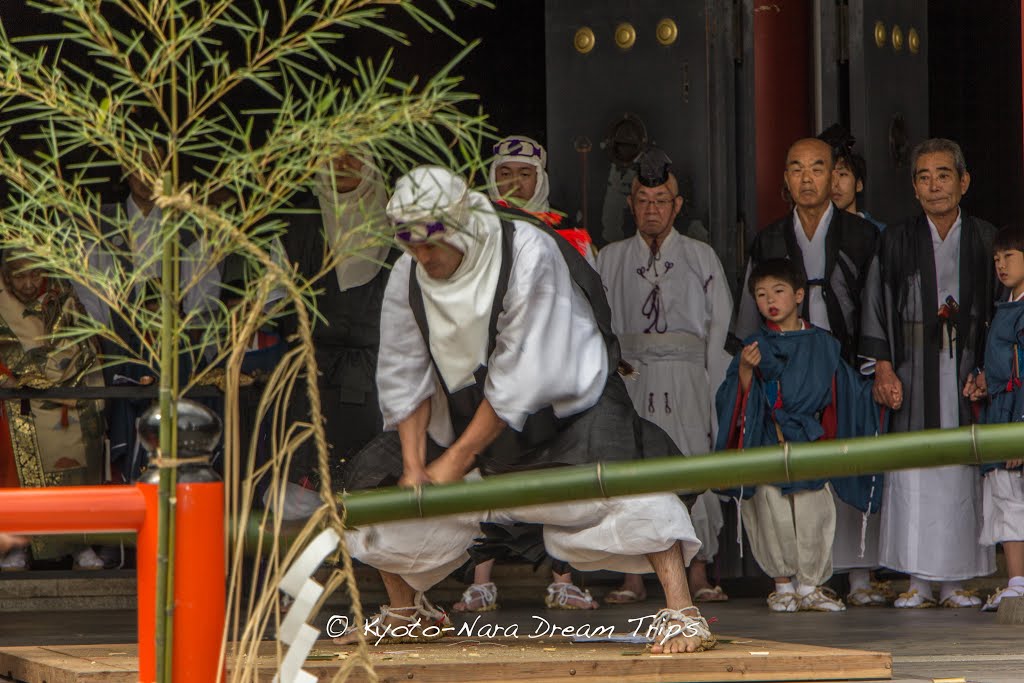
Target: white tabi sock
[860,579]
[1016,581]
[948,588]
[803,590]
[923,586]
[785,587]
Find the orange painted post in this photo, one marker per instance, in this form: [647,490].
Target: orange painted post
[145,571]
[199,582]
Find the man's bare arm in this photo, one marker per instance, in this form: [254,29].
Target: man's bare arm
[483,429]
[412,432]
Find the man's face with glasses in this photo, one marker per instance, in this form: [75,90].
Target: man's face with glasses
[655,208]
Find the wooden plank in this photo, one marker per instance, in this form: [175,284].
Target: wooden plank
[501,659]
[70,664]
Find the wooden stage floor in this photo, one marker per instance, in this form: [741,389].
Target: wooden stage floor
[526,660]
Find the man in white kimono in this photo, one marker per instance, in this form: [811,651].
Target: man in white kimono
[497,354]
[671,307]
[927,304]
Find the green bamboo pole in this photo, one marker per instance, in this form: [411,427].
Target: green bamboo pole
[726,469]
[168,389]
[167,348]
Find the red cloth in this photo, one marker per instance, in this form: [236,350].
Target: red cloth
[577,237]
[8,470]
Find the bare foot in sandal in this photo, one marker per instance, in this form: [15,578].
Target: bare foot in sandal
[563,595]
[710,594]
[480,597]
[632,590]
[683,630]
[421,622]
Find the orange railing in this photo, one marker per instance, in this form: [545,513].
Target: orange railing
[199,564]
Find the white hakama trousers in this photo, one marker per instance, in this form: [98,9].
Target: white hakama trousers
[931,522]
[1003,507]
[846,550]
[791,535]
[931,518]
[672,390]
[614,534]
[708,520]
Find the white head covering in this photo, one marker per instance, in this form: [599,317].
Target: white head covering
[352,222]
[458,309]
[528,151]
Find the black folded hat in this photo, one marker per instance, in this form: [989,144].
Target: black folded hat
[653,167]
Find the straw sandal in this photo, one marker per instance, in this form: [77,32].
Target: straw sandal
[480,597]
[670,623]
[961,599]
[914,600]
[866,597]
[714,594]
[886,589]
[426,623]
[821,600]
[559,595]
[992,604]
[624,596]
[783,601]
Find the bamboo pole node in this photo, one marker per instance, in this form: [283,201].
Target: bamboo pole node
[974,444]
[785,460]
[600,480]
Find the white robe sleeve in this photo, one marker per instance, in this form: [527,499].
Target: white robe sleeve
[549,350]
[405,375]
[202,294]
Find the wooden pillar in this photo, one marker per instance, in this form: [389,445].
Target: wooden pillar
[783,111]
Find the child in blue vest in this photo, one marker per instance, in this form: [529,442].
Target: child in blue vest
[790,384]
[1001,399]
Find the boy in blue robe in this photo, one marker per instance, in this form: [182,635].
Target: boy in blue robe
[790,383]
[999,394]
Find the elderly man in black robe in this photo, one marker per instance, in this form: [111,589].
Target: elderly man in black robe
[832,248]
[928,301]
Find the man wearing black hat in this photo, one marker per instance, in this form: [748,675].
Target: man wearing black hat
[832,248]
[670,305]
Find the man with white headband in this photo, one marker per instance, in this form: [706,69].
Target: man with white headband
[519,179]
[497,353]
[671,308]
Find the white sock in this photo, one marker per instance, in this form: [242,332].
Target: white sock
[860,579]
[947,588]
[1016,581]
[785,588]
[803,590]
[923,586]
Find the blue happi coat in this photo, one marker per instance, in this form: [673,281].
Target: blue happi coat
[1004,355]
[804,391]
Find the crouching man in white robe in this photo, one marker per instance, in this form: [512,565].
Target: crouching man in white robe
[496,353]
